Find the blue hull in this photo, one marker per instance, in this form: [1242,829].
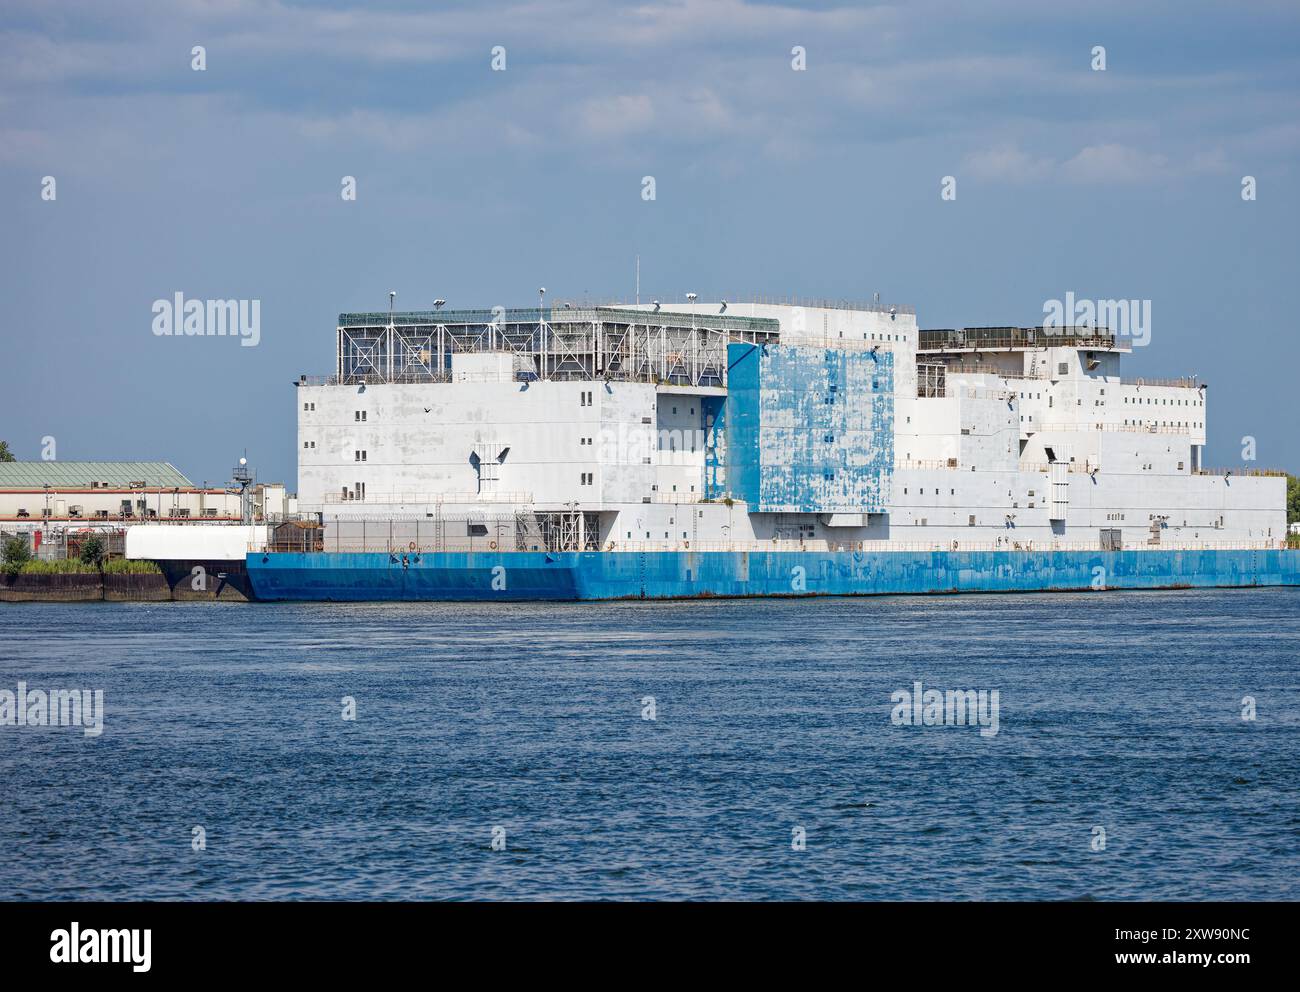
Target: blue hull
[538,575]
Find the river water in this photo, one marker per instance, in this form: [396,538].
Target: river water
[743,749]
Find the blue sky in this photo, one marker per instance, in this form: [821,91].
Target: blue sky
[479,186]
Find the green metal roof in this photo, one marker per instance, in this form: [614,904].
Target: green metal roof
[79,475]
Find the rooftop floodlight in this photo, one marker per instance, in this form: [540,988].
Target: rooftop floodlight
[723,308]
[439,304]
[656,303]
[691,297]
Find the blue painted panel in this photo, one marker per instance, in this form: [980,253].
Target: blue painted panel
[714,409]
[529,575]
[523,575]
[809,430]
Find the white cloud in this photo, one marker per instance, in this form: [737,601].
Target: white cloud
[1007,163]
[695,74]
[1209,160]
[605,117]
[1112,163]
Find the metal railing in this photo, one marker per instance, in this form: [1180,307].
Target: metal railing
[927,546]
[556,530]
[985,369]
[677,498]
[1270,473]
[1185,382]
[949,464]
[558,315]
[871,306]
[62,545]
[709,376]
[1046,467]
[1010,338]
[1131,428]
[389,499]
[502,537]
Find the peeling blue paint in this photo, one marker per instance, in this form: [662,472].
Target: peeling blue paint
[714,409]
[809,430]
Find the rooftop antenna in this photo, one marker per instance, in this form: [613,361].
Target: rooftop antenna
[243,477]
[638,280]
[541,325]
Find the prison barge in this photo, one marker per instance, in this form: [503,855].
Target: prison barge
[756,449]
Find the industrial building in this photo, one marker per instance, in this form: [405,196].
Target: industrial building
[47,501]
[830,426]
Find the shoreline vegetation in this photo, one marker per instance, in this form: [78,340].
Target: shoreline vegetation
[16,558]
[74,566]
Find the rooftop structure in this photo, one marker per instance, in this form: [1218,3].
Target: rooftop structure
[56,495]
[90,475]
[656,426]
[551,343]
[1020,338]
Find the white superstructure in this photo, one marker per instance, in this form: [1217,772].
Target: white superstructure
[706,426]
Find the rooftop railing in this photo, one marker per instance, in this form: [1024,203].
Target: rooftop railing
[1011,338]
[1129,428]
[421,498]
[505,317]
[1270,473]
[1185,382]
[984,369]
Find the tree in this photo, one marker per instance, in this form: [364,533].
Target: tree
[1292,499]
[15,554]
[92,551]
[5,454]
